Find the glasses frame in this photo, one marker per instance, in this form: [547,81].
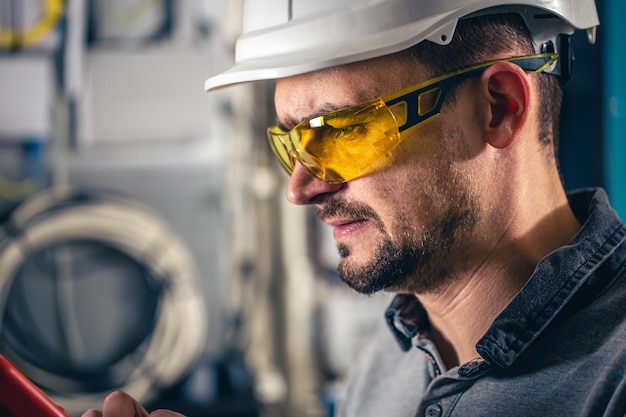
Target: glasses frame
[411,106]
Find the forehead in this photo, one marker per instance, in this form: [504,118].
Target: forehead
[306,96]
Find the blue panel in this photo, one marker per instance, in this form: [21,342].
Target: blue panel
[612,27]
[581,150]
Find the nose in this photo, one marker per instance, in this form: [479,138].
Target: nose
[303,188]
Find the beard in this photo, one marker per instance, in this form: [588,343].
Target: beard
[419,260]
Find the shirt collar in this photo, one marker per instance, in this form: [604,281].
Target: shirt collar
[407,318]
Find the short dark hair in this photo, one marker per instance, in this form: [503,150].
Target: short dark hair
[475,40]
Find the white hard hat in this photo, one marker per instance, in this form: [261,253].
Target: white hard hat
[288,37]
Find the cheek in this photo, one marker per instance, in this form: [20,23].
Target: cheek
[414,163]
[421,180]
[419,189]
[401,192]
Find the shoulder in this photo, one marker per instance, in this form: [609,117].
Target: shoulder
[384,380]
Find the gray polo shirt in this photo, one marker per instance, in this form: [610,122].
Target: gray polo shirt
[558,349]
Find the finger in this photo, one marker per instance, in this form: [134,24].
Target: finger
[92,413]
[120,404]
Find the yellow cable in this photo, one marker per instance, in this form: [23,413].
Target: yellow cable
[53,9]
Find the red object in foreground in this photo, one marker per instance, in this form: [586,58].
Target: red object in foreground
[20,397]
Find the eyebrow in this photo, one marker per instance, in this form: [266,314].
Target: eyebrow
[324,109]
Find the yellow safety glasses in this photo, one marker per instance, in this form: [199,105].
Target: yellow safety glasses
[345,144]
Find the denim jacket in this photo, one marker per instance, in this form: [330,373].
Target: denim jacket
[558,349]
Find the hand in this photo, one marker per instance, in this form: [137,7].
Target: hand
[120,404]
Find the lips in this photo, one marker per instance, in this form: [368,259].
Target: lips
[347,227]
[348,219]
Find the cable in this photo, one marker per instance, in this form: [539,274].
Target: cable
[59,215]
[52,12]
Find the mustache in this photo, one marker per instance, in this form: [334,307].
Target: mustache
[336,207]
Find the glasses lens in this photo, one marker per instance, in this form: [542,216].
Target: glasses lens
[338,146]
[281,146]
[346,144]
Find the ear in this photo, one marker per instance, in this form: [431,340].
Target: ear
[507,88]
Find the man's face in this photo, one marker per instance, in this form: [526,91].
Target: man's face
[403,228]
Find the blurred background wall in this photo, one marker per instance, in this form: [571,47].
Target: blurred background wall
[145,241]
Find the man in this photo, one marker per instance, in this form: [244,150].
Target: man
[434,162]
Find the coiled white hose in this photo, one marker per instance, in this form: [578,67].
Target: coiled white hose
[63,215]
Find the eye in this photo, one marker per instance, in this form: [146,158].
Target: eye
[350,132]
